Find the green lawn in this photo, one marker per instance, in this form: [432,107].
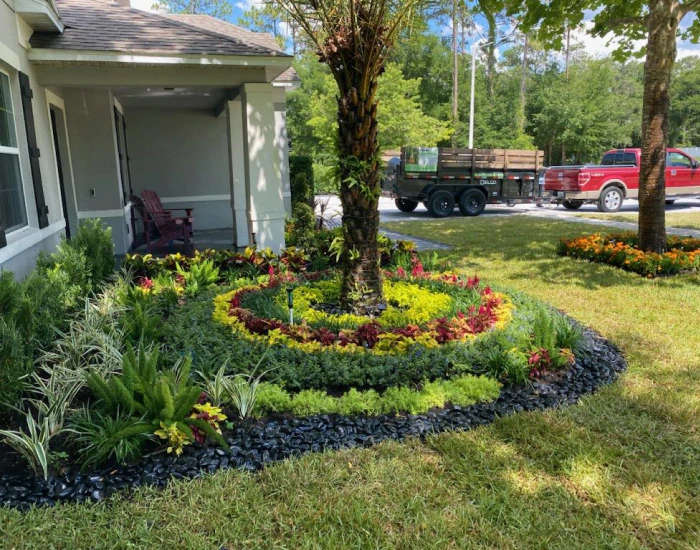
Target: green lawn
[688,220]
[619,470]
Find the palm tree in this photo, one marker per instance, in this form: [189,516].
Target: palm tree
[353,38]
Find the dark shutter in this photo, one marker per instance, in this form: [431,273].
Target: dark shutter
[41,209]
[3,240]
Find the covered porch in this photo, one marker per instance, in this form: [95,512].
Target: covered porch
[211,139]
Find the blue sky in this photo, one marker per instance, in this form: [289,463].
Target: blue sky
[594,46]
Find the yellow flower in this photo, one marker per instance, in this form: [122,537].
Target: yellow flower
[175,437]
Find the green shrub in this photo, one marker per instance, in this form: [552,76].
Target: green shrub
[87,258]
[300,227]
[301,180]
[100,437]
[326,179]
[163,401]
[95,241]
[272,399]
[15,363]
[465,390]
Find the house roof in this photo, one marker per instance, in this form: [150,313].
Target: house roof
[263,39]
[102,25]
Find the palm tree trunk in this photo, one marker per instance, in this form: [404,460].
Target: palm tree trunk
[663,21]
[358,150]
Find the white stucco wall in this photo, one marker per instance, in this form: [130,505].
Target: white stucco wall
[183,156]
[24,244]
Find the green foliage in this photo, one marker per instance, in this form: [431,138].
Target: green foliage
[141,323]
[95,241]
[30,313]
[463,391]
[32,444]
[301,226]
[199,276]
[401,118]
[100,437]
[158,398]
[15,362]
[301,179]
[216,8]
[87,258]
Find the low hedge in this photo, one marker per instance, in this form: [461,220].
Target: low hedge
[462,391]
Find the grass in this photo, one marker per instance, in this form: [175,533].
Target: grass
[686,220]
[619,470]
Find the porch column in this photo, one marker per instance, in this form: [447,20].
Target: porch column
[262,166]
[283,144]
[236,158]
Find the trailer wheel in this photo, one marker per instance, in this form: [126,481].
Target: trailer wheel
[405,205]
[472,202]
[610,199]
[572,204]
[441,204]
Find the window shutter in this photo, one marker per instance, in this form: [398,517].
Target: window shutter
[41,209]
[3,240]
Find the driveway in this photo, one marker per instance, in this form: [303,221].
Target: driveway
[389,213]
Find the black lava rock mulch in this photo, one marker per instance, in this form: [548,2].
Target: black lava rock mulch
[254,445]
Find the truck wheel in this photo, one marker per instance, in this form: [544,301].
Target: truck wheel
[406,205]
[472,202]
[610,200]
[572,204]
[441,204]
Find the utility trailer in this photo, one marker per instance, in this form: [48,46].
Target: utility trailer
[441,178]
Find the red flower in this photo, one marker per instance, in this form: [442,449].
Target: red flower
[146,283]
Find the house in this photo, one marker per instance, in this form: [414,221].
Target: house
[99,101]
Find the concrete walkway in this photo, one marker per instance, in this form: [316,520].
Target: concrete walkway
[421,244]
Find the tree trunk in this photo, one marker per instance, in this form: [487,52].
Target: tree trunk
[568,46]
[455,74]
[491,62]
[523,87]
[358,151]
[663,20]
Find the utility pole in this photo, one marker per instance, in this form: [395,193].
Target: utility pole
[455,73]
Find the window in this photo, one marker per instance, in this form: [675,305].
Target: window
[678,160]
[629,158]
[608,159]
[13,214]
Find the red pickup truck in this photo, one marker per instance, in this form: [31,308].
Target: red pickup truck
[616,178]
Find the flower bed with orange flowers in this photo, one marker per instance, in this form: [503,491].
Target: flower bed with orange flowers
[622,250]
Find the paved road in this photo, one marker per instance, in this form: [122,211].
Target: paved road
[389,213]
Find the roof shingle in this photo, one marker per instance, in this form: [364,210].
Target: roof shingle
[101,25]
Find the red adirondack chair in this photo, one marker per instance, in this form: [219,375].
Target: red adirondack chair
[160,224]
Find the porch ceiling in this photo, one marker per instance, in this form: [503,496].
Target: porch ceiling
[171,97]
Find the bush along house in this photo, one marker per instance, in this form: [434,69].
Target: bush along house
[100,101]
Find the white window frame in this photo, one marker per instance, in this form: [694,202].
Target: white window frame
[15,151]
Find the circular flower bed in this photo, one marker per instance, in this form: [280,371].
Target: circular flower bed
[622,250]
[426,311]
